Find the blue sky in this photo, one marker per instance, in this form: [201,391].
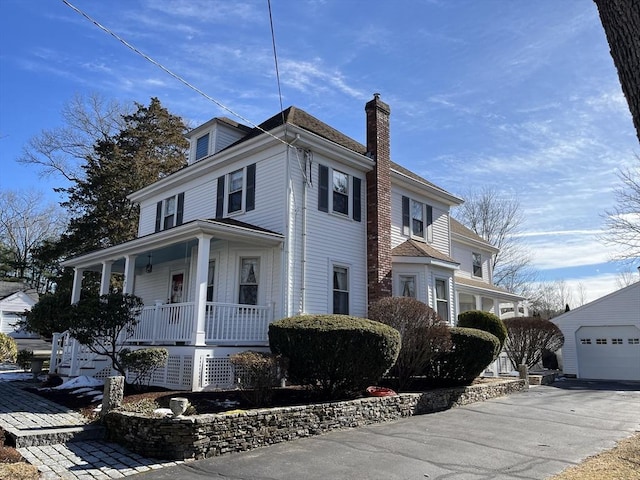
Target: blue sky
[519,96]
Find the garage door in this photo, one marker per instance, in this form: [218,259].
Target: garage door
[611,352]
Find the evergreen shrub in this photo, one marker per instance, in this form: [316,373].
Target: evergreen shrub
[339,355]
[471,351]
[487,322]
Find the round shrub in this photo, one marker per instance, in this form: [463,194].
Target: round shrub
[422,331]
[338,354]
[470,353]
[529,337]
[485,321]
[8,348]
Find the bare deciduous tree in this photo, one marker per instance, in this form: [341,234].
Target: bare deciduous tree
[549,299]
[498,219]
[62,151]
[25,223]
[528,337]
[621,22]
[623,220]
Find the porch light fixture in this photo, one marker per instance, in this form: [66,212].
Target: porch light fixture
[149,267]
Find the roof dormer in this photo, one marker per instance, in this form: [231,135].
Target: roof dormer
[214,136]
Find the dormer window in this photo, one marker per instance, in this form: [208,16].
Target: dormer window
[202,146]
[477,264]
[417,219]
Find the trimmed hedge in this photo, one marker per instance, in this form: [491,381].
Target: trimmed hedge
[338,354]
[471,351]
[485,321]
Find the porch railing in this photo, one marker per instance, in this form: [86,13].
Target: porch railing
[224,323]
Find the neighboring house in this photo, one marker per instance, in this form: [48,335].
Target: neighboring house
[15,299]
[291,217]
[602,338]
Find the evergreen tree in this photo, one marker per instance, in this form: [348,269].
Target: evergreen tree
[150,146]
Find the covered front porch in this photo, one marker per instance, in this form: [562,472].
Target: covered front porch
[208,287]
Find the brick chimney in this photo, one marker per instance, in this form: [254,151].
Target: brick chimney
[378,200]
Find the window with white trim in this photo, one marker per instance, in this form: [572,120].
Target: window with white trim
[442,299]
[249,279]
[634,341]
[236,191]
[407,286]
[340,290]
[343,196]
[417,219]
[202,146]
[477,264]
[169,212]
[601,341]
[616,341]
[211,278]
[585,341]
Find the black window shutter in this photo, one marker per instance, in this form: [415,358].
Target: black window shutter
[251,188]
[180,209]
[158,216]
[220,198]
[357,208]
[323,188]
[405,215]
[429,215]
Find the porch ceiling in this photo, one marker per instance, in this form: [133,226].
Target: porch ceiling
[175,243]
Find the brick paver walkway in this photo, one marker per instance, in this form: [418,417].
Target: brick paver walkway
[51,437]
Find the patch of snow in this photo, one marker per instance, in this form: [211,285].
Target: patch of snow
[163,411]
[96,399]
[81,381]
[82,390]
[15,376]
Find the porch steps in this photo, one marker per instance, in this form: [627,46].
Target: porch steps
[30,420]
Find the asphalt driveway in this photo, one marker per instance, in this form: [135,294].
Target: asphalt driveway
[529,435]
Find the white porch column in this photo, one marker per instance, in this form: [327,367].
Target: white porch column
[202,272]
[105,279]
[478,300]
[77,284]
[129,273]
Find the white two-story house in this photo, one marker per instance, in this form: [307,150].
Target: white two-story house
[287,218]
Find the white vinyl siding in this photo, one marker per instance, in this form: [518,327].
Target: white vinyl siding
[618,309]
[440,226]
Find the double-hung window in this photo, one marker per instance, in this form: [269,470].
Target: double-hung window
[442,299]
[417,219]
[340,290]
[339,193]
[236,192]
[169,212]
[477,264]
[249,279]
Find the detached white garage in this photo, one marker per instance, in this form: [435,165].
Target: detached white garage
[602,338]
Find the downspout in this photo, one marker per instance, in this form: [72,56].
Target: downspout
[303,274]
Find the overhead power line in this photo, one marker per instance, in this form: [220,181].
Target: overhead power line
[175,75]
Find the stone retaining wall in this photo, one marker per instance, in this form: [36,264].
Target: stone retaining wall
[208,435]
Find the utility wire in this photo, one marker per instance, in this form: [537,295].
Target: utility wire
[275,59]
[178,77]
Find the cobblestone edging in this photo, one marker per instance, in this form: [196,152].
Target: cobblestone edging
[209,435]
